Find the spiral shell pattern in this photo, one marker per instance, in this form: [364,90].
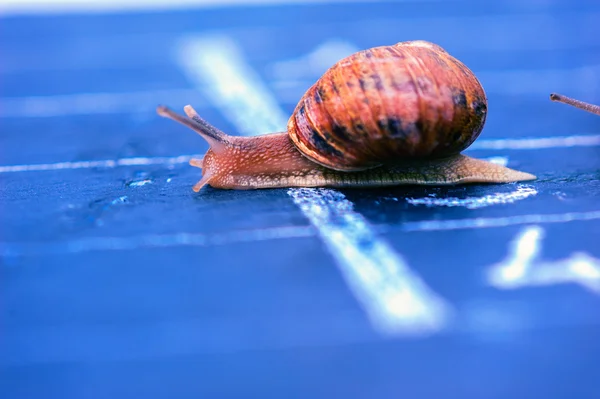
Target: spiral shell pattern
[409,100]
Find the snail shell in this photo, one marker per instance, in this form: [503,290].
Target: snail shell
[384,116]
[409,100]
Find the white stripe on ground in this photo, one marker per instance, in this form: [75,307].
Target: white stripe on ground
[538,143]
[94,103]
[17,249]
[393,296]
[480,223]
[524,266]
[153,241]
[105,163]
[508,144]
[21,7]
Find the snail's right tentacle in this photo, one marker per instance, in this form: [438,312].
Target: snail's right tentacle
[202,182]
[216,138]
[206,128]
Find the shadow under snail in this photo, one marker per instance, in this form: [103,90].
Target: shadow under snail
[384,116]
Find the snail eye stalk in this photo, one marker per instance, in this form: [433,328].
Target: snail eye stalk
[216,138]
[594,109]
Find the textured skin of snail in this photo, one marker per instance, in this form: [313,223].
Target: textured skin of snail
[384,116]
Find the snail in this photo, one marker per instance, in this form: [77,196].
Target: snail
[389,115]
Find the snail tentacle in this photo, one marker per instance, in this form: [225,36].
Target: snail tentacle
[594,109]
[215,137]
[206,177]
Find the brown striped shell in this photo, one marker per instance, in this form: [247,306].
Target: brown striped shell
[409,100]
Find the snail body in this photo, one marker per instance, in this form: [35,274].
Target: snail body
[384,116]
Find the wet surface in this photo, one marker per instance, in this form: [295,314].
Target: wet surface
[118,280]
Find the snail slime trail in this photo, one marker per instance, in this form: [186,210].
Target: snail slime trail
[384,116]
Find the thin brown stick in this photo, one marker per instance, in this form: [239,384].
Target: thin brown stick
[594,109]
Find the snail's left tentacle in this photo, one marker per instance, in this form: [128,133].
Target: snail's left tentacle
[197,162]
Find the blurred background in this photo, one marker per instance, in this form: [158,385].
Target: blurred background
[117,280]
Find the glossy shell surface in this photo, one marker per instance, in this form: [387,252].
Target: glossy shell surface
[409,100]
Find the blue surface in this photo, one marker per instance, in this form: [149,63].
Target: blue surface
[93,307]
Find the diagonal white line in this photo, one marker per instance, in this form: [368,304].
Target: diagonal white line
[393,296]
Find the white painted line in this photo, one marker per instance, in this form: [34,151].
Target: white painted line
[105,163]
[522,192]
[580,80]
[26,7]
[93,103]
[523,266]
[250,128]
[12,249]
[538,143]
[482,223]
[524,249]
[154,241]
[396,300]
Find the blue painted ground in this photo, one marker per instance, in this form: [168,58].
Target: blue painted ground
[94,305]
